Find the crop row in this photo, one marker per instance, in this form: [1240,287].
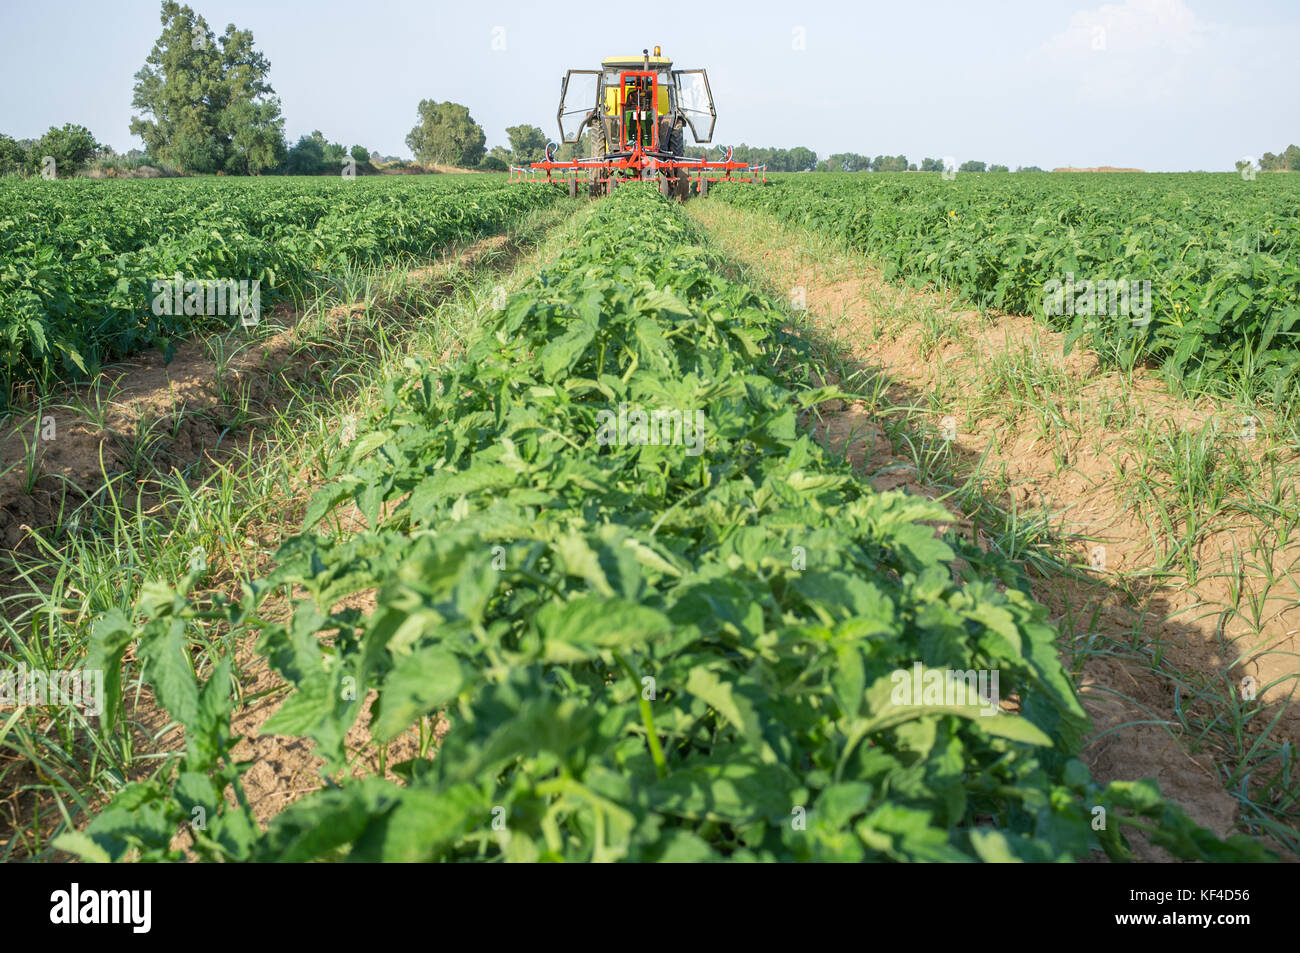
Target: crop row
[1219,253]
[677,636]
[78,259]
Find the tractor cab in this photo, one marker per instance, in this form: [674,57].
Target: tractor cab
[636,100]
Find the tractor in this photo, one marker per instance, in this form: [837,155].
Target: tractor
[634,112]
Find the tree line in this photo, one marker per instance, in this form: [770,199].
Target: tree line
[1288,161]
[801,159]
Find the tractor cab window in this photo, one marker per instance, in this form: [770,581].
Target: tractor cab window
[577,99]
[695,101]
[638,94]
[665,90]
[637,89]
[609,84]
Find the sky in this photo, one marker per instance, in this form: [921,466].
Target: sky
[1161,85]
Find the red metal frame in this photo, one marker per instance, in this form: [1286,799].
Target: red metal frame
[637,163]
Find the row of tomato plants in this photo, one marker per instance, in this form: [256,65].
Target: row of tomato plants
[678,650]
[1220,253]
[78,259]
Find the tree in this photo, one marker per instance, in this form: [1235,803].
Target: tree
[315,155]
[13,157]
[71,147]
[527,144]
[491,163]
[889,164]
[1028,168]
[971,166]
[848,162]
[998,168]
[931,165]
[208,102]
[307,157]
[1288,160]
[194,151]
[257,138]
[446,135]
[799,158]
[334,155]
[249,125]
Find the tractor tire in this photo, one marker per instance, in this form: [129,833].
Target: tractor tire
[596,139]
[597,179]
[677,141]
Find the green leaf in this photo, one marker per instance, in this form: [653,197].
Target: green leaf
[164,650]
[110,636]
[578,629]
[418,684]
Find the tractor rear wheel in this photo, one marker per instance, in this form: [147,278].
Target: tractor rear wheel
[596,139]
[597,178]
[677,141]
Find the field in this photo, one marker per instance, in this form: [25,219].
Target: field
[618,530]
[78,288]
[1219,309]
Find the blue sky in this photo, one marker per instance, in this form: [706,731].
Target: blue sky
[1155,84]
